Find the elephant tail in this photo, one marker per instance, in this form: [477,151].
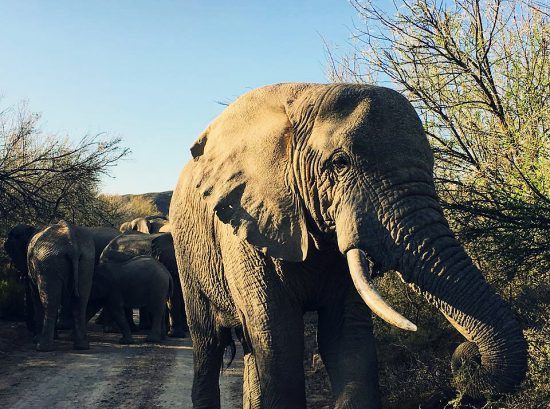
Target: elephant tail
[74,254]
[226,342]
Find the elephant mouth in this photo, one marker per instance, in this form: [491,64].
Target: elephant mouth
[361,272]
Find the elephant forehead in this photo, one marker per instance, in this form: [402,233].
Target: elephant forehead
[379,126]
[338,128]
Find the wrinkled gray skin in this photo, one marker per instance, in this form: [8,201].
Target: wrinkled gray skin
[54,258]
[283,184]
[122,281]
[147,224]
[161,247]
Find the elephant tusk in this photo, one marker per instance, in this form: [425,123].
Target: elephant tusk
[359,270]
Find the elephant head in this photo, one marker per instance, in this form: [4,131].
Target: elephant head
[17,243]
[294,165]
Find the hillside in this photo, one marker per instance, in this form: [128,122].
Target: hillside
[160,199]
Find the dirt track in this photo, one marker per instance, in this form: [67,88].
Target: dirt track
[109,375]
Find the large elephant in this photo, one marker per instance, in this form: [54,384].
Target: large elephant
[161,247]
[121,281]
[18,245]
[147,224]
[296,196]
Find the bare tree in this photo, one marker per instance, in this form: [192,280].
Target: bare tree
[43,177]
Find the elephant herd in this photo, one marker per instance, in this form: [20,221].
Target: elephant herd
[79,270]
[296,197]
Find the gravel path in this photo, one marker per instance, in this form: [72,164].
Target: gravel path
[109,375]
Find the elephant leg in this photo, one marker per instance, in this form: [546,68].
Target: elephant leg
[157,310]
[274,329]
[208,351]
[37,312]
[166,321]
[274,372]
[79,304]
[50,295]
[144,319]
[116,311]
[165,324]
[65,319]
[79,320]
[176,313]
[347,347]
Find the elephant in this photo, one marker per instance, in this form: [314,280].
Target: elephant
[161,247]
[295,197]
[131,282]
[59,259]
[147,224]
[17,246]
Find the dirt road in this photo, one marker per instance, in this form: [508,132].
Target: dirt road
[109,375]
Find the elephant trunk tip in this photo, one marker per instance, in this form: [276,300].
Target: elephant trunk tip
[475,376]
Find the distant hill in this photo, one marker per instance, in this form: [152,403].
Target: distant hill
[160,199]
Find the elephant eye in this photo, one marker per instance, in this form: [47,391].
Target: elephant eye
[340,162]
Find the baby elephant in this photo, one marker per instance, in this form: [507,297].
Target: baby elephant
[132,283]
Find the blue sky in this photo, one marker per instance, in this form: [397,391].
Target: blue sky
[152,72]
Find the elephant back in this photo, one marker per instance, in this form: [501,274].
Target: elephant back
[126,246]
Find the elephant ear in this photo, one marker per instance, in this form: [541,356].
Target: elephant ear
[243,170]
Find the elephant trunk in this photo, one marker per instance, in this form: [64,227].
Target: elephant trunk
[436,265]
[495,354]
[431,260]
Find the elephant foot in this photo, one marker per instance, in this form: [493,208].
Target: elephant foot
[81,345]
[177,333]
[126,341]
[44,346]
